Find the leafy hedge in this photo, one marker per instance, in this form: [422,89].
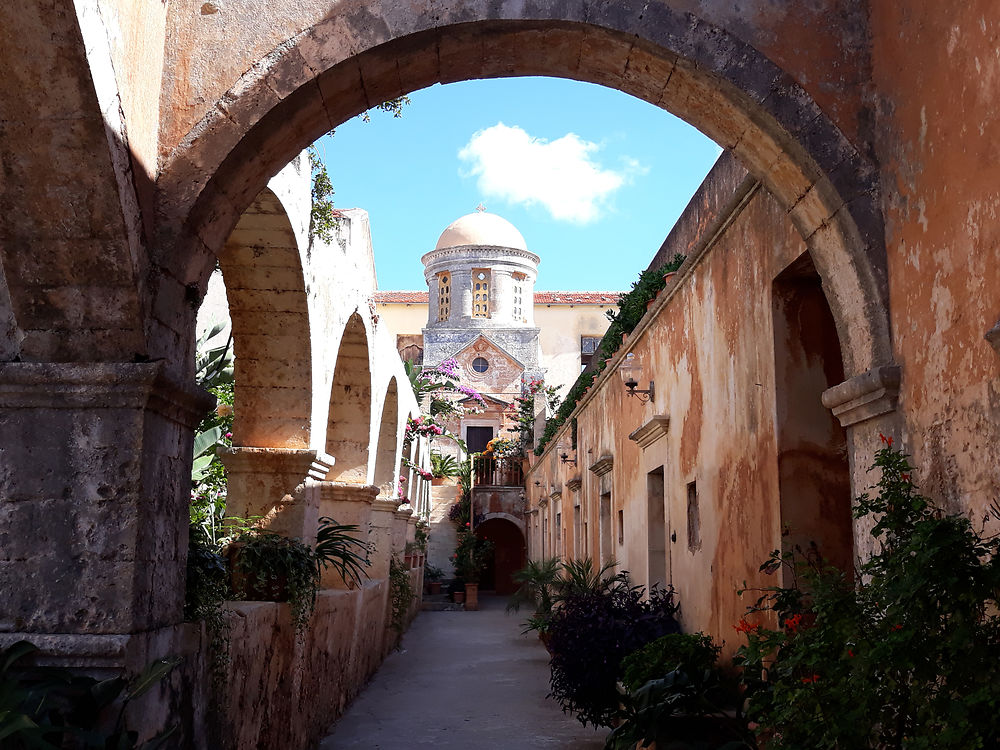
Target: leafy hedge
[631,309]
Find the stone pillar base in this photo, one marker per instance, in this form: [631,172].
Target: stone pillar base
[347,504]
[382,521]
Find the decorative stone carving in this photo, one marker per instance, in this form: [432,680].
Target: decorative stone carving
[574,484]
[864,396]
[652,431]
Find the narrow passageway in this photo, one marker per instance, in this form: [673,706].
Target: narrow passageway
[464,680]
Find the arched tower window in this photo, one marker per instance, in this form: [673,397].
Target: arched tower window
[519,297]
[480,293]
[444,295]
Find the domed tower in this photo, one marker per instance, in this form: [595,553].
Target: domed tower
[481,280]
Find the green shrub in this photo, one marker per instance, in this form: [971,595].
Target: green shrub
[693,653]
[905,655]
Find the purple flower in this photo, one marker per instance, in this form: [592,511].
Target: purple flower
[448,367]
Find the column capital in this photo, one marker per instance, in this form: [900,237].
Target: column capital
[864,396]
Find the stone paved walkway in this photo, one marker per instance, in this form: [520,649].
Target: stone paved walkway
[465,680]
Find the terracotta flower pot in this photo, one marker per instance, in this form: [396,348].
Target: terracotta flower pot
[668,276]
[471,596]
[458,597]
[434,587]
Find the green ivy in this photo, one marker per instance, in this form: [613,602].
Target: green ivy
[631,309]
[401,594]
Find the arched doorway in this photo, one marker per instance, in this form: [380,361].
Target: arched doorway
[509,552]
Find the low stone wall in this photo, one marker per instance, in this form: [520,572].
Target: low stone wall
[280,690]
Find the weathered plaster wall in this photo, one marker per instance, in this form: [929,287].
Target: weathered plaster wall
[561,328]
[709,352]
[936,72]
[823,41]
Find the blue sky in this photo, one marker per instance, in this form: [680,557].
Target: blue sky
[592,178]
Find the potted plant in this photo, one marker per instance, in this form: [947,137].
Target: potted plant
[471,557]
[539,582]
[432,577]
[268,567]
[442,468]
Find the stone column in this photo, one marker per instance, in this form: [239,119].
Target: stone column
[866,407]
[347,504]
[95,467]
[271,483]
[461,297]
[400,522]
[382,519]
[503,297]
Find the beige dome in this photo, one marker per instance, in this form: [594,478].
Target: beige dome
[481,228]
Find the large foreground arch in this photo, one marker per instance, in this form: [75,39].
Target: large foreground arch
[361,55]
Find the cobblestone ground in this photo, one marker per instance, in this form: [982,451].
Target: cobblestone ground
[465,680]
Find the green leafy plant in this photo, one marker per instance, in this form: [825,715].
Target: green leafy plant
[443,466]
[51,708]
[401,594]
[904,655]
[338,547]
[269,567]
[538,581]
[432,572]
[471,557]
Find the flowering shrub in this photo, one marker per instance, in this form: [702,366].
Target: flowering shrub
[904,655]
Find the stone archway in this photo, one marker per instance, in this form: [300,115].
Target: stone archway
[348,429]
[358,57]
[509,552]
[262,270]
[388,438]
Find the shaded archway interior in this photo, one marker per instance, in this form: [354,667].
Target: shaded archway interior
[267,301]
[385,456]
[509,551]
[833,206]
[349,423]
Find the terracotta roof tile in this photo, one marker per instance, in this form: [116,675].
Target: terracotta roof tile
[541,298]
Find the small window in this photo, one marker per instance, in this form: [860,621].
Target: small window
[479,364]
[621,527]
[693,518]
[444,295]
[481,290]
[588,348]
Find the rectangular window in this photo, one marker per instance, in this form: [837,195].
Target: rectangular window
[519,316]
[559,549]
[444,296]
[605,521]
[621,528]
[588,347]
[577,533]
[693,518]
[480,293]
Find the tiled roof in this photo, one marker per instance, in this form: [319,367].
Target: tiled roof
[541,298]
[399,298]
[576,298]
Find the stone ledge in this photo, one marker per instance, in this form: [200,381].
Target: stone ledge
[103,385]
[130,651]
[347,492]
[652,431]
[864,396]
[574,484]
[603,465]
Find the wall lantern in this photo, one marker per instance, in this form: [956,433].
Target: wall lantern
[563,450]
[631,370]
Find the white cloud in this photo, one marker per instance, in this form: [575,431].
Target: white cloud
[562,175]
